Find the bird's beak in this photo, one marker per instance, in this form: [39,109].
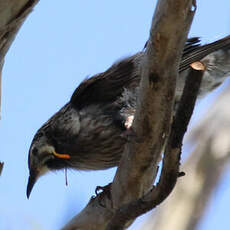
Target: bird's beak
[31,181]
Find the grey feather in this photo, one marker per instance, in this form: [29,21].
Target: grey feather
[89,127]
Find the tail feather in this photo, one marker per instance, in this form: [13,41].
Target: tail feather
[196,52]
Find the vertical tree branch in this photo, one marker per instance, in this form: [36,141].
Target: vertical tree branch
[152,121]
[171,162]
[204,170]
[153,116]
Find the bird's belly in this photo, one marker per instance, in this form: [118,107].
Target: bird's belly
[100,151]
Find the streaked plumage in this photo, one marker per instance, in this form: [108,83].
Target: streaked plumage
[86,133]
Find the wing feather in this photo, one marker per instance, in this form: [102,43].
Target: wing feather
[107,87]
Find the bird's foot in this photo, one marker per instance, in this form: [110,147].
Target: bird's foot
[103,190]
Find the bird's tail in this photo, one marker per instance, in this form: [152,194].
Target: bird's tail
[194,52]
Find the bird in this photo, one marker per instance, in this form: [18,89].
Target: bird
[87,132]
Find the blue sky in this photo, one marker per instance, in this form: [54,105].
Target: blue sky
[57,47]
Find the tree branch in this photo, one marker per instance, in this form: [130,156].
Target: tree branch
[204,169]
[151,125]
[171,162]
[12,14]
[139,163]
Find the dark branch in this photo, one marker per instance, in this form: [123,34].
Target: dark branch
[1,167]
[171,160]
[156,98]
[186,106]
[152,122]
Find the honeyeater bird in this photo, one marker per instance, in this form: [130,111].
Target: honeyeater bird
[86,134]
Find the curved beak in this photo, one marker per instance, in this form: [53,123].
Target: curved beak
[31,181]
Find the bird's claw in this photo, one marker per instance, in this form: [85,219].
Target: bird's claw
[103,190]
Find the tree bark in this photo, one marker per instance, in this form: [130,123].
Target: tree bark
[204,169]
[152,122]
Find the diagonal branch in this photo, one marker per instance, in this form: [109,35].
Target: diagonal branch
[171,160]
[152,121]
[153,116]
[204,169]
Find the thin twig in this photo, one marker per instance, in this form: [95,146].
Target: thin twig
[1,167]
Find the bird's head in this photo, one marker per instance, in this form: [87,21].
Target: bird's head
[42,158]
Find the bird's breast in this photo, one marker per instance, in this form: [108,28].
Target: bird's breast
[98,145]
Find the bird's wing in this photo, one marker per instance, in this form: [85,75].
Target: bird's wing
[107,86]
[197,52]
